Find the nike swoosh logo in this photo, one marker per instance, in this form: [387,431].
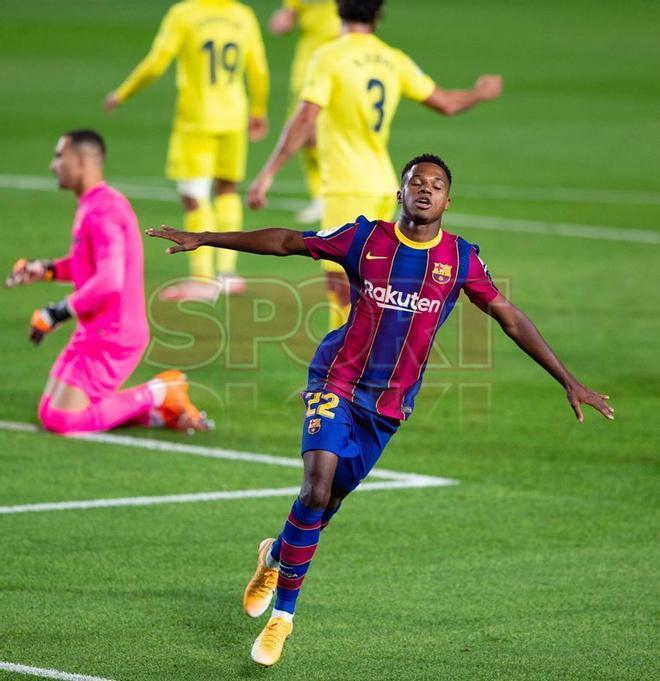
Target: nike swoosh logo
[376,257]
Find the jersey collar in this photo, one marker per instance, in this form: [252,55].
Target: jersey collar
[419,245]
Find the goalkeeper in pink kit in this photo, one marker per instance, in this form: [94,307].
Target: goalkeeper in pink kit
[105,265]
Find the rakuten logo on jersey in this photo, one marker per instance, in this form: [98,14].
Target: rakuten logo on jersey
[392,299]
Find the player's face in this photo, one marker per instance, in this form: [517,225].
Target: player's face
[66,164]
[424,195]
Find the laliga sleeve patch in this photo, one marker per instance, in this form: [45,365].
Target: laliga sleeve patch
[329,231]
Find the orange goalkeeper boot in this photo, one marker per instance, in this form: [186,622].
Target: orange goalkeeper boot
[177,410]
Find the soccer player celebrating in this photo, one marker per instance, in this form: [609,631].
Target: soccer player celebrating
[105,265]
[357,82]
[319,23]
[216,43]
[405,280]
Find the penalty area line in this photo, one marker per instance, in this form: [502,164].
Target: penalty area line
[389,480]
[210,496]
[47,673]
[151,192]
[200,450]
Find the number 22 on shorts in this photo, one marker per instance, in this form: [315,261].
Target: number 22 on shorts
[321,404]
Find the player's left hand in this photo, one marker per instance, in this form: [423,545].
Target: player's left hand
[256,197]
[47,319]
[489,87]
[577,394]
[110,103]
[257,128]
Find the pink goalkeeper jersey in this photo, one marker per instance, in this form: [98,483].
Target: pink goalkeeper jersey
[105,264]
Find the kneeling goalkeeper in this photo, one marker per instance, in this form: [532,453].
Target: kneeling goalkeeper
[105,264]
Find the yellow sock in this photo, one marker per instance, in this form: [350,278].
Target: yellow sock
[200,220]
[228,218]
[310,159]
[338,313]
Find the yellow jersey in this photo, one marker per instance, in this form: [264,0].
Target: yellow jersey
[217,44]
[358,81]
[318,23]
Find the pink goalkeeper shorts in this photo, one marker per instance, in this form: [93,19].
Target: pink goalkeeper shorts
[95,365]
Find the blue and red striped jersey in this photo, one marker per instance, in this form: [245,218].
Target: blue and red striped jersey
[402,291]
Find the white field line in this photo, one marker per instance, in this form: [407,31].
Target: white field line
[147,192]
[390,479]
[408,483]
[568,229]
[47,673]
[560,194]
[291,187]
[515,225]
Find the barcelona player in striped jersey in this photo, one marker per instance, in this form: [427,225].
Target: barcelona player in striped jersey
[405,279]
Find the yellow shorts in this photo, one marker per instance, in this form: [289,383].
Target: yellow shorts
[338,209]
[194,155]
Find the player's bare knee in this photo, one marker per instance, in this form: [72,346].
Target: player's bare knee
[225,187]
[189,203]
[315,494]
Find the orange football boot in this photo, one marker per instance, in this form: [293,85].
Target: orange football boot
[177,411]
[259,591]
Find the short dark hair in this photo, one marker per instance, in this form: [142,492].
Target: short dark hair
[89,137]
[361,11]
[426,158]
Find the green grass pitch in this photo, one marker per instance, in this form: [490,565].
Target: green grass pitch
[543,562]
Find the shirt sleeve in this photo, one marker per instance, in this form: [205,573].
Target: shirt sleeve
[256,71]
[164,48]
[331,244]
[62,267]
[317,86]
[415,84]
[479,285]
[109,253]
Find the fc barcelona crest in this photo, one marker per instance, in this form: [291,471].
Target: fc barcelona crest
[314,426]
[441,273]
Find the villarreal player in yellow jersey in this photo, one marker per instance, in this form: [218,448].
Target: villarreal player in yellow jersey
[318,23]
[357,82]
[217,45]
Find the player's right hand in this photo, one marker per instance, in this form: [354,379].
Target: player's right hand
[110,103]
[489,87]
[257,128]
[256,197]
[185,241]
[28,271]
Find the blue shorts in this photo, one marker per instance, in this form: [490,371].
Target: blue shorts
[356,435]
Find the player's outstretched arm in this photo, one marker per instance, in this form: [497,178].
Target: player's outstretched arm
[165,47]
[517,325]
[451,102]
[272,241]
[296,133]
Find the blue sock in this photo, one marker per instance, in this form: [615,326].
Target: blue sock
[295,549]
